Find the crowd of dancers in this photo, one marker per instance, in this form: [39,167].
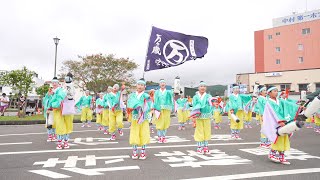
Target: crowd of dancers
[150,112]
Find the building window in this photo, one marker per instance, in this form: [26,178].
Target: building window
[300,47]
[277,33]
[283,87]
[300,60]
[277,61]
[303,87]
[317,86]
[277,49]
[306,31]
[270,37]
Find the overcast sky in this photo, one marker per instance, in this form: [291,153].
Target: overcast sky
[123,28]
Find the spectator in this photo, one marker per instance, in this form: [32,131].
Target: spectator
[21,104]
[4,103]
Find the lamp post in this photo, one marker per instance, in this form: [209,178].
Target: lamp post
[56,42]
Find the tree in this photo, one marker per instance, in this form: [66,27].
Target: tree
[96,72]
[18,80]
[151,83]
[42,90]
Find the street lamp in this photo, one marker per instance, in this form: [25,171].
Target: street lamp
[56,42]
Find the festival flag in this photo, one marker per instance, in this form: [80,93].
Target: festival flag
[168,48]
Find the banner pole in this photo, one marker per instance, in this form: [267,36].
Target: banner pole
[147,54]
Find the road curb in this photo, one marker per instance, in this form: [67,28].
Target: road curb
[28,122]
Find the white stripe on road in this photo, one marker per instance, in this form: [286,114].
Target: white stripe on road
[119,148]
[50,174]
[2,144]
[24,134]
[261,174]
[98,171]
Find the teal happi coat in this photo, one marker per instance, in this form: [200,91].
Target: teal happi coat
[100,102]
[183,103]
[106,101]
[261,103]
[237,102]
[85,101]
[202,103]
[285,111]
[46,102]
[144,102]
[57,98]
[114,100]
[163,100]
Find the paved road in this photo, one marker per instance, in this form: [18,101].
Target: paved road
[25,154]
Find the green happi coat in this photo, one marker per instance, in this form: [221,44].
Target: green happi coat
[134,102]
[284,110]
[113,99]
[237,102]
[202,104]
[57,98]
[85,101]
[163,100]
[182,103]
[100,102]
[46,102]
[106,101]
[260,105]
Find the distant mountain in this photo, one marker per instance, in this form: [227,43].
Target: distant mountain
[213,90]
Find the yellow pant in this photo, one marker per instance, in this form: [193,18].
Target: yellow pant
[86,114]
[234,124]
[317,120]
[182,116]
[258,117]
[99,118]
[203,130]
[115,120]
[217,117]
[282,144]
[105,117]
[248,116]
[163,122]
[309,120]
[64,124]
[139,133]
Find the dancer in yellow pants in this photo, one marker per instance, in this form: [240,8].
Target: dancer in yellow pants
[116,112]
[85,103]
[202,133]
[139,108]
[163,102]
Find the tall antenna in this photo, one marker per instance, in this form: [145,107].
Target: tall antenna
[306,5]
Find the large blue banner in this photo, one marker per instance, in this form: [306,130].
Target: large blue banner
[168,48]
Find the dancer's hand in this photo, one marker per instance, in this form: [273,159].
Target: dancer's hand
[282,124]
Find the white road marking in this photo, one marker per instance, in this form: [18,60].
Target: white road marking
[24,134]
[261,174]
[71,161]
[50,174]
[17,143]
[118,148]
[113,161]
[97,171]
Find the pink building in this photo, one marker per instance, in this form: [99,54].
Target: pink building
[288,55]
[291,47]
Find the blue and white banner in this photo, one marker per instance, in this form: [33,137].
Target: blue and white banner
[168,48]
